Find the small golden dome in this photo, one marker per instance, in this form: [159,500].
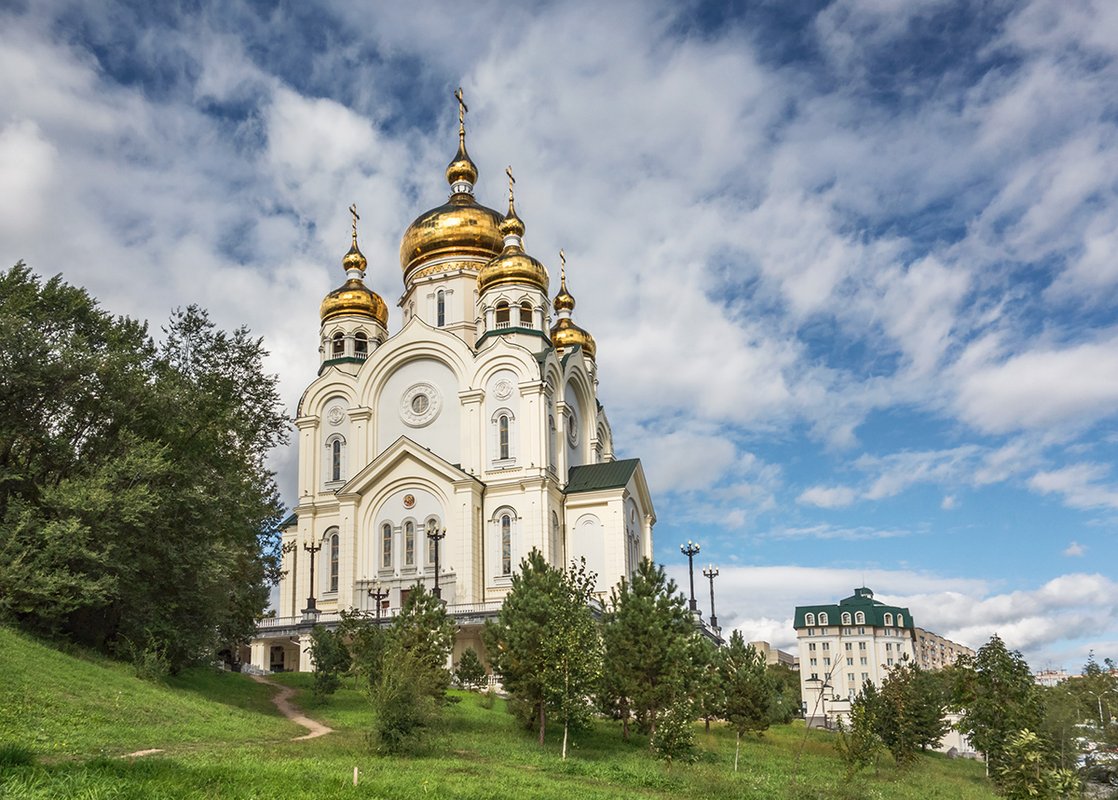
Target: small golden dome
[565,334]
[462,168]
[354,297]
[564,301]
[513,265]
[354,259]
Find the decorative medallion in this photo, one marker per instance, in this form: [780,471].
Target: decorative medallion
[503,389]
[409,501]
[335,415]
[572,429]
[420,405]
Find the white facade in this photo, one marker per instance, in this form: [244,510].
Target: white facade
[469,420]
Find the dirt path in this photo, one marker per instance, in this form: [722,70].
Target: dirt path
[282,699]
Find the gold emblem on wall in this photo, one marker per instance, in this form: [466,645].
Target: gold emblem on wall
[409,501]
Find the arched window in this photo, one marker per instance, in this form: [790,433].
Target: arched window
[409,544]
[336,460]
[361,344]
[809,619]
[526,314]
[888,619]
[338,346]
[440,308]
[334,547]
[845,617]
[386,546]
[859,618]
[506,544]
[822,617]
[503,436]
[502,314]
[900,620]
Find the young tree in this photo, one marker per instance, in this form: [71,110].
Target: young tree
[331,660]
[786,701]
[470,672]
[710,690]
[911,711]
[1026,773]
[997,698]
[366,642]
[858,743]
[647,634]
[545,644]
[749,693]
[423,629]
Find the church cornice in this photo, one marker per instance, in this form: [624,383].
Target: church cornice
[505,331]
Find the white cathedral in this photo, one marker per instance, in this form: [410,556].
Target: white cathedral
[479,419]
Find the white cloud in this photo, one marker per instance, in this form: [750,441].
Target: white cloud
[1080,484]
[1075,550]
[949,502]
[828,496]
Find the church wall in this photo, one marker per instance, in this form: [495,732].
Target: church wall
[438,431]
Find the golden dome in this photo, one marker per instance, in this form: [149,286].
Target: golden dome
[513,265]
[565,334]
[462,227]
[354,297]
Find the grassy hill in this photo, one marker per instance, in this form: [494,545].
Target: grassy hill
[222,739]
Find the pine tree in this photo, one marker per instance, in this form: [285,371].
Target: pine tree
[470,673]
[749,693]
[423,629]
[647,633]
[331,659]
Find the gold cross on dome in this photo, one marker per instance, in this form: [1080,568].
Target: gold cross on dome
[353,212]
[461,108]
[512,180]
[562,267]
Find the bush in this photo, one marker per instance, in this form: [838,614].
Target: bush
[404,702]
[1026,773]
[674,739]
[331,660]
[151,663]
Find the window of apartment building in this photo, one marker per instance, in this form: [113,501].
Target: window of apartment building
[847,631]
[888,619]
[826,645]
[822,617]
[861,645]
[861,631]
[850,679]
[815,662]
[888,646]
[860,618]
[865,677]
[826,662]
[814,676]
[863,660]
[811,646]
[850,662]
[809,619]
[845,617]
[889,662]
[849,645]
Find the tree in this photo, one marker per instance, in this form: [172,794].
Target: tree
[710,690]
[749,693]
[910,711]
[404,700]
[545,645]
[997,698]
[470,673]
[366,642]
[646,633]
[858,743]
[673,736]
[786,701]
[331,660]
[136,510]
[423,629]
[1025,772]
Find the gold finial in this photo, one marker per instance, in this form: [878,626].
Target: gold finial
[354,214]
[512,181]
[562,269]
[461,113]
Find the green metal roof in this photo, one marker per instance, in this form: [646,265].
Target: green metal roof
[862,600]
[607,475]
[291,519]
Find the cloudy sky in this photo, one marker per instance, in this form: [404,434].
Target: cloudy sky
[852,266]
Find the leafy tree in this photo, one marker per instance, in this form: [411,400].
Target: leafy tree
[858,742]
[1026,774]
[997,698]
[545,645]
[911,711]
[647,634]
[470,672]
[404,701]
[136,510]
[749,693]
[673,736]
[366,642]
[787,698]
[331,660]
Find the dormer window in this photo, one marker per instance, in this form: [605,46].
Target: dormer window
[859,618]
[822,617]
[809,619]
[888,619]
[845,617]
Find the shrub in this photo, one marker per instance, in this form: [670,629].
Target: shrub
[674,739]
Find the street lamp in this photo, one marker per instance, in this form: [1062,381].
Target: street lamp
[691,549]
[312,548]
[378,594]
[436,536]
[711,573]
[1098,697]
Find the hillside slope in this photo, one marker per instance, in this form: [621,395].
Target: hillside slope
[57,704]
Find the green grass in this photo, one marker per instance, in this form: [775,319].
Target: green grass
[479,753]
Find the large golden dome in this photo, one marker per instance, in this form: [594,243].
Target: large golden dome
[513,265]
[461,228]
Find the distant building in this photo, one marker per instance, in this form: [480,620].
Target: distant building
[935,652]
[1050,677]
[773,655]
[842,646]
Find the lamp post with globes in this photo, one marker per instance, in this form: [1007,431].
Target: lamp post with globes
[711,573]
[691,549]
[313,548]
[378,593]
[436,536]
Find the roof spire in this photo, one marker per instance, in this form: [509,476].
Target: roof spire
[462,172]
[512,226]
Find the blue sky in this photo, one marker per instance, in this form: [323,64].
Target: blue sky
[851,266]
